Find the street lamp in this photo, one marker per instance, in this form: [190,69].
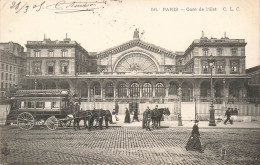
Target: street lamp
[179,115]
[211,61]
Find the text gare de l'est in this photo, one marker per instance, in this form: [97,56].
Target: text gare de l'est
[174,9]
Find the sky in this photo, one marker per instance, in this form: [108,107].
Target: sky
[99,25]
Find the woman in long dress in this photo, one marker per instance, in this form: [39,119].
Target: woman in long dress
[127,115]
[194,140]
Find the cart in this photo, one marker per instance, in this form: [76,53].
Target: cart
[31,108]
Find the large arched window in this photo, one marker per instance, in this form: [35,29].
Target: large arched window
[173,88]
[159,90]
[205,89]
[96,88]
[109,89]
[64,85]
[50,85]
[234,87]
[83,90]
[187,91]
[147,90]
[122,89]
[134,90]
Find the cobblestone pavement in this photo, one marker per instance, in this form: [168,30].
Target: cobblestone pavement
[127,145]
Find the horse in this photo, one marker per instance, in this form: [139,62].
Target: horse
[99,115]
[86,115]
[156,116]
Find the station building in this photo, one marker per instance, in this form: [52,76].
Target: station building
[136,73]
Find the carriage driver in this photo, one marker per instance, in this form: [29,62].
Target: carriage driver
[148,120]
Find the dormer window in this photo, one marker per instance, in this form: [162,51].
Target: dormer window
[205,52]
[64,53]
[37,53]
[50,53]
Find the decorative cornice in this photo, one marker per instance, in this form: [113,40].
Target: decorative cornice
[133,43]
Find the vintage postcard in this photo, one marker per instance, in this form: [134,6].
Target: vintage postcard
[130,82]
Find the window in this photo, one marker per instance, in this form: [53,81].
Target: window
[219,68]
[205,52]
[234,67]
[159,89]
[10,77]
[37,53]
[6,68]
[22,104]
[11,68]
[50,53]
[64,69]
[6,85]
[147,90]
[173,89]
[37,68]
[2,76]
[109,90]
[50,70]
[55,104]
[6,76]
[30,104]
[219,51]
[14,78]
[64,53]
[14,69]
[48,105]
[205,68]
[122,90]
[3,66]
[2,85]
[39,104]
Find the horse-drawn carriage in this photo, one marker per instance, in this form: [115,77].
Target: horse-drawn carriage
[53,108]
[38,107]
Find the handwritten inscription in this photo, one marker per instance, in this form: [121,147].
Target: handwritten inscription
[60,7]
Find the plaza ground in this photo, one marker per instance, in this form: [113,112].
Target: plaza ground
[129,144]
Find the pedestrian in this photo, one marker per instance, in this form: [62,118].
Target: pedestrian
[135,117]
[127,115]
[235,111]
[228,114]
[194,143]
[148,118]
[116,108]
[232,111]
[114,117]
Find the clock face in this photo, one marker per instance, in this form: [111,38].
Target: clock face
[136,62]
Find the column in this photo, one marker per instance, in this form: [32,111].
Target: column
[88,93]
[115,92]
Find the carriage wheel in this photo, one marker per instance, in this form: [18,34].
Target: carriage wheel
[25,120]
[52,123]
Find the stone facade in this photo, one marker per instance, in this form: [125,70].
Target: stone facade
[12,68]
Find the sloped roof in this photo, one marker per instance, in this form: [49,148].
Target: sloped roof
[133,43]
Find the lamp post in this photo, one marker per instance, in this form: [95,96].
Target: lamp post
[212,111]
[179,115]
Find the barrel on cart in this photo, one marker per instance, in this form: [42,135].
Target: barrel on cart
[30,108]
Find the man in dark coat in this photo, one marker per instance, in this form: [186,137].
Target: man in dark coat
[228,114]
[116,108]
[135,117]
